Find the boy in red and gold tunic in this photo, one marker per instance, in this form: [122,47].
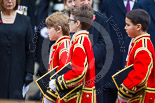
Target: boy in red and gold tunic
[139,86]
[58,29]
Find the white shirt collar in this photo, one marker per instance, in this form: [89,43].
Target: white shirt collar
[77,34]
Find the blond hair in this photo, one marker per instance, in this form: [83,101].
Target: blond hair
[58,19]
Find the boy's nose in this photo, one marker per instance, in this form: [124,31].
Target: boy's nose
[73,4]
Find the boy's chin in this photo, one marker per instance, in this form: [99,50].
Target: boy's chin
[130,36]
[72,31]
[51,39]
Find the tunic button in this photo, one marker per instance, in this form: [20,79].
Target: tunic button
[87,96]
[51,90]
[150,98]
[141,96]
[127,92]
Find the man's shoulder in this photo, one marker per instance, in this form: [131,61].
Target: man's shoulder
[100,16]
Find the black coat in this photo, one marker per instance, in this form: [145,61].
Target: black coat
[16,56]
[97,33]
[99,36]
[43,11]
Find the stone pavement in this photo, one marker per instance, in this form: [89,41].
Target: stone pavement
[17,101]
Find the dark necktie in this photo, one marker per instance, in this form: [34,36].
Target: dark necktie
[128,6]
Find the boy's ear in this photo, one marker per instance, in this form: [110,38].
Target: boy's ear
[139,27]
[59,29]
[78,23]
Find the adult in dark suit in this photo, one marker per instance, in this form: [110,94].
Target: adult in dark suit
[116,11]
[43,10]
[98,34]
[41,14]
[149,6]
[29,11]
[16,51]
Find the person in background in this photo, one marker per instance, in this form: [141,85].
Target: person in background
[16,51]
[98,34]
[27,7]
[138,86]
[43,9]
[68,4]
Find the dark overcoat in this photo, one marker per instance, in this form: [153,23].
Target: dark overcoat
[98,34]
[16,56]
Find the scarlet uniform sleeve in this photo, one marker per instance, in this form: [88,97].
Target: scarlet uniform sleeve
[136,80]
[79,65]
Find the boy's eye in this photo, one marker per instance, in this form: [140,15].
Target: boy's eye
[127,25]
[82,0]
[69,1]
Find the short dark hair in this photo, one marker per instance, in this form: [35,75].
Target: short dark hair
[139,16]
[58,19]
[84,14]
[2,8]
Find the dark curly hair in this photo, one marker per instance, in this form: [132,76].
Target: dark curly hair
[84,14]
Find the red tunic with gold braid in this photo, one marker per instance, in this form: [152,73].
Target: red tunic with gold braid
[139,86]
[60,52]
[83,70]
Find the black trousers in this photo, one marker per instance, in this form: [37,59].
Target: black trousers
[109,95]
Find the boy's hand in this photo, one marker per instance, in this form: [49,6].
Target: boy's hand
[52,85]
[121,99]
[47,101]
